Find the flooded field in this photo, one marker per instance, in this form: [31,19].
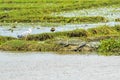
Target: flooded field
[7,30]
[39,16]
[111,13]
[44,66]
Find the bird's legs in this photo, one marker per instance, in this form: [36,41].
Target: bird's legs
[25,37]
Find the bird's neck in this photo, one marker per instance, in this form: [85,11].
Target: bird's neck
[30,30]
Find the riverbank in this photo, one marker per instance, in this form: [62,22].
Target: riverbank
[100,39]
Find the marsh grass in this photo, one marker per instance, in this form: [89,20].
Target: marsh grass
[4,39]
[47,41]
[102,32]
[117,20]
[22,45]
[45,36]
[37,10]
[110,45]
[117,28]
[52,19]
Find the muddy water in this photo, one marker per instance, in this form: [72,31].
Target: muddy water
[44,66]
[6,30]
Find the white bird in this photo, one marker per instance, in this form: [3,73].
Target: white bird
[25,34]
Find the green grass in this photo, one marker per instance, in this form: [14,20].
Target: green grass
[110,47]
[47,41]
[117,20]
[92,32]
[5,39]
[22,45]
[117,28]
[52,19]
[37,10]
[103,30]
[45,36]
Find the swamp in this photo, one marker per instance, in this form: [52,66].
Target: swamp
[59,39]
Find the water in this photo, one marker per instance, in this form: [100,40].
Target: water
[111,13]
[44,66]
[37,29]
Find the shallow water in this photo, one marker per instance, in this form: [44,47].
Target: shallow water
[38,28]
[111,13]
[48,66]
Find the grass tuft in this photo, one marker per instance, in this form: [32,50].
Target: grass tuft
[108,46]
[22,45]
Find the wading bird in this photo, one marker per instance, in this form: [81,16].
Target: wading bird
[25,34]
